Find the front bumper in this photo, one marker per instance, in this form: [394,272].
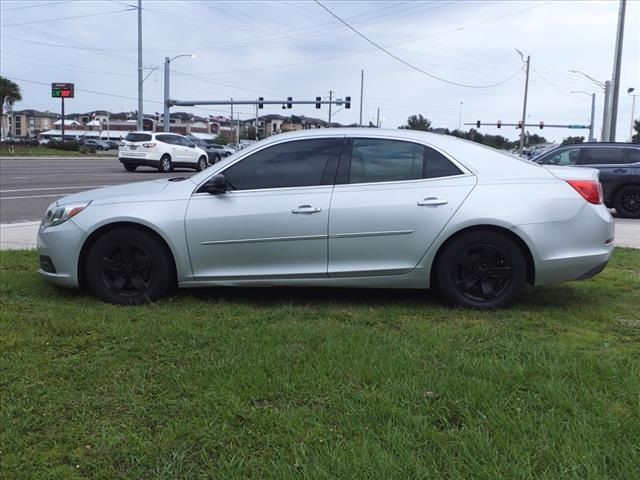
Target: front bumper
[61,244]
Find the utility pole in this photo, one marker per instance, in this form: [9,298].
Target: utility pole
[330,99]
[256,122]
[524,106]
[361,93]
[592,137]
[460,117]
[165,117]
[606,117]
[378,118]
[14,131]
[633,112]
[233,130]
[140,108]
[616,71]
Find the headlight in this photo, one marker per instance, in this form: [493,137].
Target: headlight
[58,215]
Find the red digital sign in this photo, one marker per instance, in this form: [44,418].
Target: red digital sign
[62,90]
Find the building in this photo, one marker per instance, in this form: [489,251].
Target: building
[27,123]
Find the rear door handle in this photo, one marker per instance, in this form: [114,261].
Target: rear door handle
[306,209]
[620,170]
[432,202]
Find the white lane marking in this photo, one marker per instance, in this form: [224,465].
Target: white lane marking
[52,188]
[36,196]
[19,178]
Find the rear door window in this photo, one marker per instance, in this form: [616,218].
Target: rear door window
[569,156]
[633,155]
[603,156]
[381,160]
[170,139]
[138,137]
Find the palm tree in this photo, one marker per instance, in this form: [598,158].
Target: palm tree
[636,126]
[9,94]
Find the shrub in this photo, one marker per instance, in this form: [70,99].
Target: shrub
[66,146]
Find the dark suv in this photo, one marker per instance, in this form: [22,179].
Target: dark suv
[619,166]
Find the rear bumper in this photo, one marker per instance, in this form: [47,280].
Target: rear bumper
[576,249]
[140,162]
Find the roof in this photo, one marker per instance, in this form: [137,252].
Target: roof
[35,113]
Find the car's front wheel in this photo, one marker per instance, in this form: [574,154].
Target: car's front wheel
[165,164]
[481,269]
[627,201]
[202,164]
[128,266]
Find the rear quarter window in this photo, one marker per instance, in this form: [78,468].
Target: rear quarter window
[138,137]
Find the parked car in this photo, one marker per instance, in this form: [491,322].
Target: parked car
[619,167]
[220,150]
[213,154]
[97,144]
[113,145]
[163,151]
[336,207]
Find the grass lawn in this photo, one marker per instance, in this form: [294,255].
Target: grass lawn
[319,383]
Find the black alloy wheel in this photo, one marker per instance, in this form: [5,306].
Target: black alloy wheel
[481,269]
[627,201]
[128,266]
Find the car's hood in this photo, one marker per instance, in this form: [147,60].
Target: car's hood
[138,191]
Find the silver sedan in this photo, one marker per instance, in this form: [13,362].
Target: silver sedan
[342,208]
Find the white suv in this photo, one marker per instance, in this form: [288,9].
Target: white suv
[162,150]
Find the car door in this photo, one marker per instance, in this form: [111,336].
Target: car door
[391,200]
[272,222]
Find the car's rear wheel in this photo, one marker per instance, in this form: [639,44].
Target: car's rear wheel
[130,167]
[165,164]
[481,269]
[128,266]
[202,164]
[627,201]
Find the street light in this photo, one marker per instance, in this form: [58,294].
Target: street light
[633,110]
[606,115]
[165,117]
[593,112]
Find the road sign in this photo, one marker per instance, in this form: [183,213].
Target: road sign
[62,90]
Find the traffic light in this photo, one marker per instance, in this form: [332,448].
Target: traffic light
[519,125]
[499,124]
[541,125]
[347,102]
[289,104]
[260,104]
[318,100]
[478,124]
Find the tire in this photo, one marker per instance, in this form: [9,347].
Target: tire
[218,158]
[481,269]
[129,267]
[202,164]
[627,201]
[130,167]
[165,164]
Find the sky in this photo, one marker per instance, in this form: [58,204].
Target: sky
[276,49]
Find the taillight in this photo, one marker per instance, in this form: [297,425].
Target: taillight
[148,145]
[590,190]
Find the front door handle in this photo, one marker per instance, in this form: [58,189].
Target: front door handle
[306,209]
[432,202]
[620,170]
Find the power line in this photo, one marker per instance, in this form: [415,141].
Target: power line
[404,62]
[48,4]
[554,86]
[59,19]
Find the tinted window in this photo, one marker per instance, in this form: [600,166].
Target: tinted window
[292,164]
[633,155]
[170,139]
[377,160]
[138,137]
[184,142]
[564,157]
[595,156]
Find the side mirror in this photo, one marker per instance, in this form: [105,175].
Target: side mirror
[216,185]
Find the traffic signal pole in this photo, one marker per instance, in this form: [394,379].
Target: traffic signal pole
[524,106]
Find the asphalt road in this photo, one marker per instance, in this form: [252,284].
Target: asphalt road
[29,185]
